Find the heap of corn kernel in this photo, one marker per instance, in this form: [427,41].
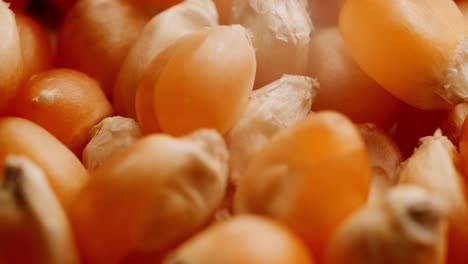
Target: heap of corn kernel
[233,131]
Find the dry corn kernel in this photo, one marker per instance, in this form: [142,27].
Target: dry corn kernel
[407,227]
[109,137]
[96,36]
[414,49]
[204,79]
[64,170]
[35,44]
[344,87]
[435,166]
[270,109]
[243,239]
[161,31]
[66,102]
[33,225]
[11,68]
[166,189]
[310,177]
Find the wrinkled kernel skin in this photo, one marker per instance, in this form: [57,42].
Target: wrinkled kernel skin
[344,87]
[243,239]
[111,26]
[67,103]
[205,82]
[280,33]
[404,45]
[309,177]
[109,137]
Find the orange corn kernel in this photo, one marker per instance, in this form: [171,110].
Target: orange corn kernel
[96,36]
[64,171]
[269,110]
[310,177]
[160,32]
[166,189]
[435,166]
[204,79]
[243,239]
[65,102]
[407,226]
[11,68]
[414,49]
[344,87]
[33,225]
[35,44]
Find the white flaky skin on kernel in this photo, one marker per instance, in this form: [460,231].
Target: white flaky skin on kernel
[108,137]
[454,89]
[435,167]
[270,109]
[281,35]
